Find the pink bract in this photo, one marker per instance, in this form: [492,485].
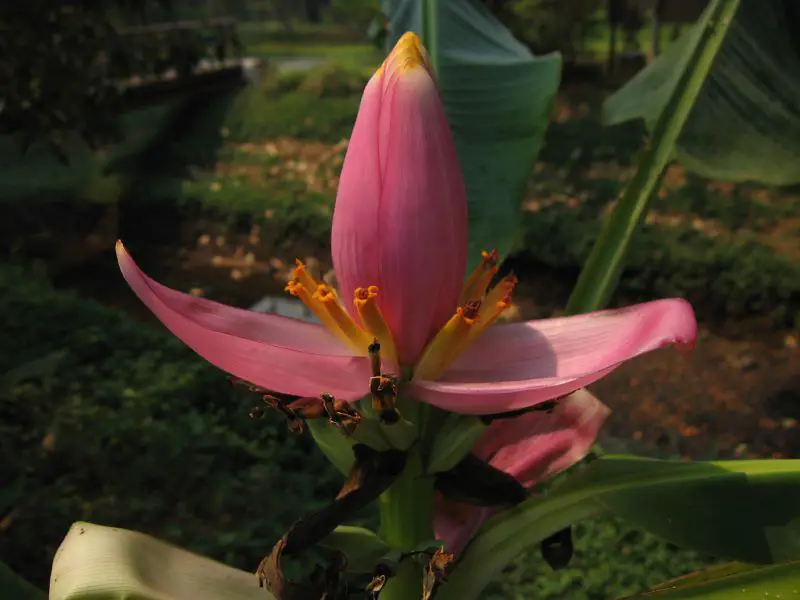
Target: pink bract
[400,220]
[274,352]
[519,365]
[532,448]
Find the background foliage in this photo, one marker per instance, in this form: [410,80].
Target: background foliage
[63,64]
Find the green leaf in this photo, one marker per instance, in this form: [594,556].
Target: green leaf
[14,587]
[454,441]
[736,580]
[498,98]
[601,272]
[337,447]
[362,547]
[743,510]
[105,562]
[745,124]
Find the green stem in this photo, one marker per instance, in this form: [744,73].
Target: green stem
[603,268]
[406,511]
[429,30]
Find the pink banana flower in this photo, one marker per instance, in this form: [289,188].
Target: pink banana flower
[399,244]
[531,448]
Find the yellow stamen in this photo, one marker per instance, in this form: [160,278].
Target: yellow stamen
[451,340]
[322,302]
[497,300]
[373,321]
[302,275]
[480,278]
[357,337]
[296,289]
[407,54]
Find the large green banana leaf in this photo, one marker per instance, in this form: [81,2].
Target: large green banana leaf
[736,580]
[742,510]
[498,98]
[745,124]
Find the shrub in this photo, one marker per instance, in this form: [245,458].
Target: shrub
[132,429]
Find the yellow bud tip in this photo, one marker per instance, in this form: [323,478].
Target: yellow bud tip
[407,54]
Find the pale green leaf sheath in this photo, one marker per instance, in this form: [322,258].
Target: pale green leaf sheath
[95,562]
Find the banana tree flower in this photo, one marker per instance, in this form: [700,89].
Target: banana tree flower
[531,448]
[399,245]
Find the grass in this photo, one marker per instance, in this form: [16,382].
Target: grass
[302,32]
[346,47]
[124,426]
[362,57]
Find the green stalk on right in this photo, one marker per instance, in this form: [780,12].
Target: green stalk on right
[602,270]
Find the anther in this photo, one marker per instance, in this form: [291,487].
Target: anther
[301,274]
[480,278]
[340,414]
[489,259]
[384,393]
[374,350]
[365,302]
[356,337]
[497,300]
[299,291]
[435,572]
[470,310]
[448,344]
[321,300]
[380,576]
[294,422]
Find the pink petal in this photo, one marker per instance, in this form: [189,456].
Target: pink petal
[274,352]
[523,364]
[455,523]
[400,220]
[532,448]
[538,445]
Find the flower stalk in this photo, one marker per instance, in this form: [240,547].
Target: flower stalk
[406,514]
